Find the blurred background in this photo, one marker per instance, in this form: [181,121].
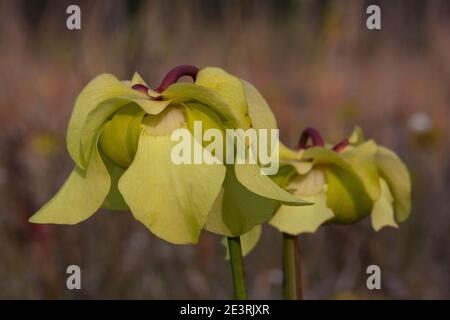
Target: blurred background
[317,65]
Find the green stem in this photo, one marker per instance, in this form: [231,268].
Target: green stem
[237,268]
[292,284]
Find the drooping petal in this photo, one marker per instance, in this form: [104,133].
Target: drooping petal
[230,88]
[259,111]
[383,209]
[98,116]
[358,162]
[207,129]
[200,112]
[209,119]
[80,197]
[325,156]
[396,174]
[346,196]
[249,175]
[248,241]
[297,220]
[101,88]
[186,92]
[119,138]
[237,210]
[171,200]
[362,160]
[95,120]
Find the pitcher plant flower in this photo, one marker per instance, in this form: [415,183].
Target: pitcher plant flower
[119,136]
[345,182]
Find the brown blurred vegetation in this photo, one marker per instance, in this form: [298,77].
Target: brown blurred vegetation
[316,64]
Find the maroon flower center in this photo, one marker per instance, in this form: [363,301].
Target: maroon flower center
[341,145]
[175,74]
[171,77]
[317,141]
[307,134]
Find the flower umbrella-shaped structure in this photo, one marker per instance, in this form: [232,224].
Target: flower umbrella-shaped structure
[119,137]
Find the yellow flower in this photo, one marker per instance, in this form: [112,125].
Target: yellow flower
[119,137]
[346,183]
